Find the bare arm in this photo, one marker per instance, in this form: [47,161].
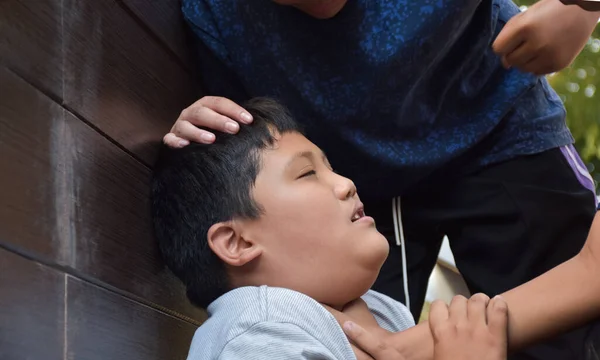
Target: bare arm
[561,299]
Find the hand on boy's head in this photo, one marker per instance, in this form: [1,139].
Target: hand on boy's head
[545,38]
[210,112]
[474,329]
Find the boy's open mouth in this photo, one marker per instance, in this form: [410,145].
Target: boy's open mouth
[358,213]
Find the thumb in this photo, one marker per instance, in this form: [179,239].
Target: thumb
[510,38]
[375,347]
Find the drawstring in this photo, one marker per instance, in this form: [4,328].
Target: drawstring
[399,234]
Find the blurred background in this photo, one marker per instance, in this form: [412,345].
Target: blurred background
[579,88]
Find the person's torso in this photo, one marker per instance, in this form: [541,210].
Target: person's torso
[239,311]
[390,90]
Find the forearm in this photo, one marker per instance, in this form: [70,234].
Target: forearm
[561,299]
[586,15]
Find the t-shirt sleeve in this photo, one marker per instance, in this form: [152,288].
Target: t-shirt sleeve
[275,341]
[389,313]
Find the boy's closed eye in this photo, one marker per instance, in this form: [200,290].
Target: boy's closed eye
[307,174]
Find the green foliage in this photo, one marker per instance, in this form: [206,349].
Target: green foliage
[579,88]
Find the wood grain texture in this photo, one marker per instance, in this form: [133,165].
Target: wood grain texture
[35,199]
[165,19]
[114,241]
[103,325]
[31,309]
[31,41]
[70,196]
[119,78]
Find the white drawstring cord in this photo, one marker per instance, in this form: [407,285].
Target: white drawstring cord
[399,234]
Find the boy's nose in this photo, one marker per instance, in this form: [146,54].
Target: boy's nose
[345,188]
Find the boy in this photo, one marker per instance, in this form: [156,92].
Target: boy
[264,235]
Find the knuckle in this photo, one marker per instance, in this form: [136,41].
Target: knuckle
[500,308]
[381,346]
[176,128]
[205,100]
[215,101]
[197,112]
[444,330]
[183,113]
[527,26]
[222,121]
[179,128]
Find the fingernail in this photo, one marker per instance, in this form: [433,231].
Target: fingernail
[232,127]
[246,117]
[183,143]
[498,297]
[207,137]
[348,325]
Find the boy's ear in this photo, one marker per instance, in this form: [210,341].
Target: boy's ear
[225,240]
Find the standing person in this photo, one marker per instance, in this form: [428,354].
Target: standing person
[436,111]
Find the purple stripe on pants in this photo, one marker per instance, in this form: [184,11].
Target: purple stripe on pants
[579,168]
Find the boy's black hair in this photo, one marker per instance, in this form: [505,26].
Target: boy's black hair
[201,185]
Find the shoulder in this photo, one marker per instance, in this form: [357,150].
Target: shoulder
[389,313]
[276,340]
[248,319]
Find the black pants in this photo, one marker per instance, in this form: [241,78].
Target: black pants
[506,225]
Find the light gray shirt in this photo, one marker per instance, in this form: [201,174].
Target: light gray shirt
[275,323]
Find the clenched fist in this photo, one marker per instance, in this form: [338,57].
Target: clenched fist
[546,38]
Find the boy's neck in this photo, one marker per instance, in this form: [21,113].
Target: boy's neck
[356,310]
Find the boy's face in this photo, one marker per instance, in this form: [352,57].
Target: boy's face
[309,234]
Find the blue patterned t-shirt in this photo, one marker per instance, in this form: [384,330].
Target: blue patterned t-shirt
[393,91]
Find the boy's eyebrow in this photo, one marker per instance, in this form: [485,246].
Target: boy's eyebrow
[310,155]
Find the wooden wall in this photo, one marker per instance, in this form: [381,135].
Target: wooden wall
[87,90]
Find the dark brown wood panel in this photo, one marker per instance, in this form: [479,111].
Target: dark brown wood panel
[31,309]
[103,325]
[165,19]
[35,193]
[73,197]
[114,241]
[31,41]
[119,78]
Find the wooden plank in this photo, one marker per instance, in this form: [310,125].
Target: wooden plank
[34,180]
[31,309]
[103,325]
[31,41]
[165,19]
[70,196]
[114,241]
[119,78]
